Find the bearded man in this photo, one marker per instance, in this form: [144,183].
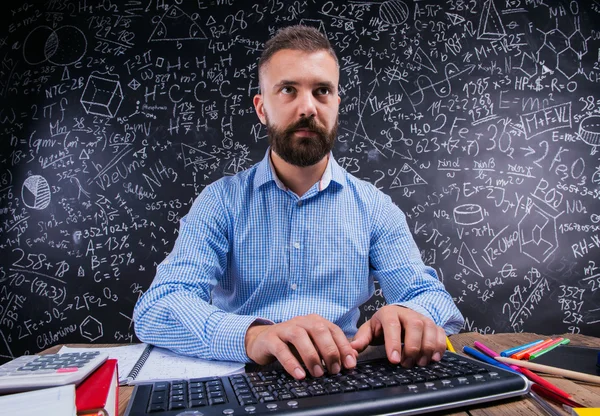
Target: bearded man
[274,262]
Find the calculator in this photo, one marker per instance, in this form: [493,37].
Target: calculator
[32,372]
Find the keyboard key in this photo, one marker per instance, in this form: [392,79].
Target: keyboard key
[217,400]
[266,399]
[158,397]
[161,386]
[177,406]
[198,403]
[157,407]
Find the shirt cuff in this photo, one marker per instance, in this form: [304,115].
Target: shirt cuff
[417,308]
[229,335]
[449,326]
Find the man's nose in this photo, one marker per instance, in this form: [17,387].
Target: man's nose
[306,105]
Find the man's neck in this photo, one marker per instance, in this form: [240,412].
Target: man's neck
[298,179]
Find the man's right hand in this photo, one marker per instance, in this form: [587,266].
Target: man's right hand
[312,337]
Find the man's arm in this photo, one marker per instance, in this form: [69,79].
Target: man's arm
[175,312]
[420,310]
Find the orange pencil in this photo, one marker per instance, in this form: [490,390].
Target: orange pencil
[521,354]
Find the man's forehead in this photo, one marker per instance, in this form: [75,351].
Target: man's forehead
[319,66]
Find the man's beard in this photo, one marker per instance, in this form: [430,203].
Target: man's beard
[301,151]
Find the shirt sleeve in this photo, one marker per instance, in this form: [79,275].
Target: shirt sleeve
[404,279]
[175,312]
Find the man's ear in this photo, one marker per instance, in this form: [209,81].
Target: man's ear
[259,106]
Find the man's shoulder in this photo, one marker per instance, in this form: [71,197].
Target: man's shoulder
[238,182]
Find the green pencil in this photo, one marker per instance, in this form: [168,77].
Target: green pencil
[544,351]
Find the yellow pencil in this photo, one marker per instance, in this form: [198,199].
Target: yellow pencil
[449,345]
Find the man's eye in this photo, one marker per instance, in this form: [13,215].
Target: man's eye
[287,90]
[323,91]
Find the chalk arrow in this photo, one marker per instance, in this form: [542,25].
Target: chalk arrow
[529,150]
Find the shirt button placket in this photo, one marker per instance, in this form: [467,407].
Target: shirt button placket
[297,246]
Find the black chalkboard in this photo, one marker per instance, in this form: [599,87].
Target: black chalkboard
[481,119]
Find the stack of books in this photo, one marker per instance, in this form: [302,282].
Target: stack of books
[97,395]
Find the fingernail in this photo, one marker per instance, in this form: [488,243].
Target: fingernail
[335,368]
[317,371]
[436,356]
[299,373]
[350,361]
[395,356]
[422,362]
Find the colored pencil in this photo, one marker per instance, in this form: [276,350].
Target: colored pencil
[486,350]
[543,382]
[550,395]
[551,370]
[449,345]
[519,355]
[514,350]
[550,348]
[482,357]
[531,376]
[529,354]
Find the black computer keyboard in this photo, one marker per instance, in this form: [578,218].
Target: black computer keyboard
[374,387]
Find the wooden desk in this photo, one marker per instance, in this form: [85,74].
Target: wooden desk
[587,394]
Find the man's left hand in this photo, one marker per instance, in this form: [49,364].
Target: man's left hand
[423,339]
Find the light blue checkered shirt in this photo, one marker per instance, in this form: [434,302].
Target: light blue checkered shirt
[251,249]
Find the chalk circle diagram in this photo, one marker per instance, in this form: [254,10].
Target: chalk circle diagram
[589,130]
[35,192]
[175,24]
[468,214]
[393,12]
[63,46]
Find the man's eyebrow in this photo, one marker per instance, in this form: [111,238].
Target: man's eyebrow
[326,84]
[286,82]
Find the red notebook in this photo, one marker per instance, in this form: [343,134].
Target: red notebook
[98,394]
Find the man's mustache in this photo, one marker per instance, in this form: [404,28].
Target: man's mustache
[308,123]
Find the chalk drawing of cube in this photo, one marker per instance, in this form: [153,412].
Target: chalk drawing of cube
[102,96]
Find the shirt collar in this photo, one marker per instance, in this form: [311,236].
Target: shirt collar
[265,172]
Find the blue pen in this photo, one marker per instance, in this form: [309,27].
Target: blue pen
[474,353]
[511,351]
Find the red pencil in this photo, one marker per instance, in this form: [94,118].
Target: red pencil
[539,380]
[549,394]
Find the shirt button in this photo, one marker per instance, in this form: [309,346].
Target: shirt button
[299,203]
[294,286]
[296,245]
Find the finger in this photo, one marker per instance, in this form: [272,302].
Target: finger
[322,338]
[392,334]
[284,355]
[429,342]
[363,337]
[347,353]
[441,345]
[299,338]
[413,333]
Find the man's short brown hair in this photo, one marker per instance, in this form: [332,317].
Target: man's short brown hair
[298,37]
